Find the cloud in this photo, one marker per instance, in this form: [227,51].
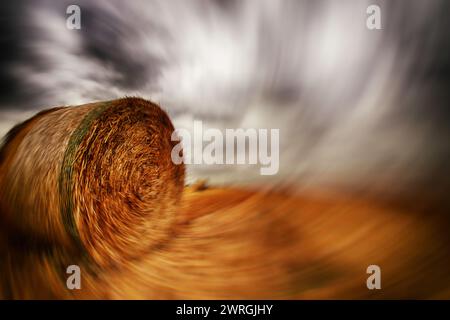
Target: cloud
[349,102]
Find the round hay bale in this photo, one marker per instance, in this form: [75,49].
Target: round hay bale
[96,178]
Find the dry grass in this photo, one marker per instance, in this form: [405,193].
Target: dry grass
[96,179]
[217,243]
[242,244]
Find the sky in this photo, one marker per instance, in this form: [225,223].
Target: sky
[354,106]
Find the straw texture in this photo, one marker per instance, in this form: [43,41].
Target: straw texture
[97,179]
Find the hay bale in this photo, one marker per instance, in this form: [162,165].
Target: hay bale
[96,178]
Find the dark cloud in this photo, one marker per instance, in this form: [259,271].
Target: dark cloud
[15,34]
[308,67]
[104,37]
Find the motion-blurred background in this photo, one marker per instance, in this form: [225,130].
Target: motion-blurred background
[353,105]
[358,109]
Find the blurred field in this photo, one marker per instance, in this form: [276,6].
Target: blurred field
[252,244]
